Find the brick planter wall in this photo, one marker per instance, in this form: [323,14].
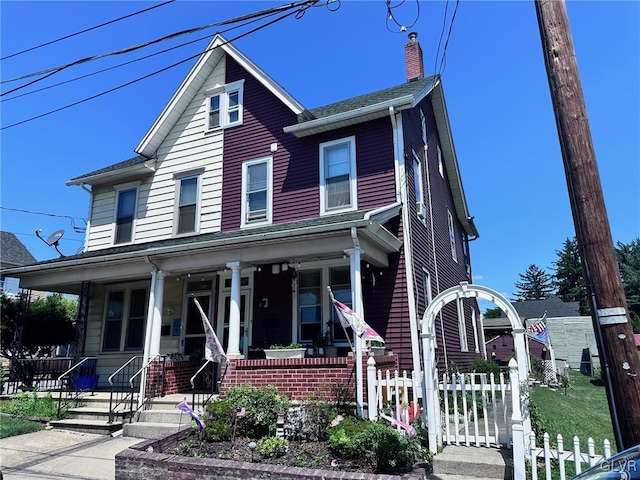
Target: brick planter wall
[177,376]
[138,462]
[299,377]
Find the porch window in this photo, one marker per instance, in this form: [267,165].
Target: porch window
[125,320]
[187,203]
[125,215]
[315,310]
[256,191]
[338,175]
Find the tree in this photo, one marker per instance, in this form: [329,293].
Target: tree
[628,256]
[534,284]
[569,279]
[493,313]
[49,323]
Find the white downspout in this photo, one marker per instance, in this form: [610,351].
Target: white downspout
[356,282]
[401,185]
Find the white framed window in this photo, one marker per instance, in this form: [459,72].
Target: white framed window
[462,326]
[187,208]
[452,236]
[224,106]
[315,312]
[426,287]
[338,175]
[124,319]
[418,183]
[440,165]
[125,214]
[257,192]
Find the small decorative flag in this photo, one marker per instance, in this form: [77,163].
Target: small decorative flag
[349,318]
[212,349]
[184,406]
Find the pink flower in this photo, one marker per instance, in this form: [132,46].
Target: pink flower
[336,421]
[241,412]
[334,463]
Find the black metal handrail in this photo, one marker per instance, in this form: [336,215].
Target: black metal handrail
[149,386]
[80,377]
[122,392]
[27,374]
[204,384]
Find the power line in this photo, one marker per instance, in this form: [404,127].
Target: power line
[443,60]
[444,24]
[86,30]
[130,61]
[391,16]
[305,5]
[121,51]
[73,223]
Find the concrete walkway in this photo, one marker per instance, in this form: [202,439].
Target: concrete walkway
[60,454]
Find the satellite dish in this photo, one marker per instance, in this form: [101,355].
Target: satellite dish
[52,240]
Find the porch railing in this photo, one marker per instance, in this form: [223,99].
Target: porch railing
[122,392]
[204,384]
[80,377]
[152,381]
[26,374]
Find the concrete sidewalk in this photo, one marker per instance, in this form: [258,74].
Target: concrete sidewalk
[60,454]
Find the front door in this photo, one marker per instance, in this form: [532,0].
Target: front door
[224,307]
[194,338]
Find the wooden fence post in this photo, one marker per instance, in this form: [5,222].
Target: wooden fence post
[517,428]
[372,404]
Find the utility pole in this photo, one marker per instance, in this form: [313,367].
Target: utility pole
[611,320]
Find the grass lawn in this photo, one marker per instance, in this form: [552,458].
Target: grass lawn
[582,411]
[10,426]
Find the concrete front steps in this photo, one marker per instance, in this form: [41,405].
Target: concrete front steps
[472,463]
[93,416]
[161,419]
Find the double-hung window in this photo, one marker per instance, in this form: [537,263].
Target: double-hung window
[417,180]
[452,236]
[187,203]
[423,125]
[125,320]
[338,175]
[224,106]
[126,199]
[257,188]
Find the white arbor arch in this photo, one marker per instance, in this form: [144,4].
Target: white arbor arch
[428,335]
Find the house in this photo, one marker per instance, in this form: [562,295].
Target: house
[13,253]
[242,198]
[570,333]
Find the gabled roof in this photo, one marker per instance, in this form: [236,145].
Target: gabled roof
[13,253]
[194,81]
[553,305]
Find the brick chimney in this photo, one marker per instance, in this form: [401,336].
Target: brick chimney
[413,58]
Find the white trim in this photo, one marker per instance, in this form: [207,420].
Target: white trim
[423,125]
[244,222]
[452,236]
[353,186]
[462,326]
[223,92]
[223,292]
[418,183]
[178,178]
[114,230]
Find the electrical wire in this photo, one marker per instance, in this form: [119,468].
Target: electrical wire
[87,30]
[130,61]
[121,51]
[282,17]
[391,16]
[443,60]
[73,223]
[444,24]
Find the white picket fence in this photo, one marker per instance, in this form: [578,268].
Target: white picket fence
[547,455]
[476,410]
[393,392]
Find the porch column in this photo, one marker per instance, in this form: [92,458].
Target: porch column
[157,314]
[356,293]
[233,349]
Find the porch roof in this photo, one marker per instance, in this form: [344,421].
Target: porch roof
[323,237]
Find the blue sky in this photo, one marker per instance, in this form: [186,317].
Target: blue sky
[495,86]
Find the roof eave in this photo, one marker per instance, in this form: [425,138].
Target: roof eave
[352,117]
[114,176]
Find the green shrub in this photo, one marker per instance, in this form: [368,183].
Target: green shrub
[30,405]
[273,447]
[480,365]
[261,405]
[537,369]
[219,419]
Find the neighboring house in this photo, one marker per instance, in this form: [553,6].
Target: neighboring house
[13,254]
[571,334]
[246,200]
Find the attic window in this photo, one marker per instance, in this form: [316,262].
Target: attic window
[224,106]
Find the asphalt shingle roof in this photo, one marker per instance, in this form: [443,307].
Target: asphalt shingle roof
[132,162]
[12,251]
[553,305]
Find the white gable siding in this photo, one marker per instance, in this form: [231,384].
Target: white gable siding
[185,148]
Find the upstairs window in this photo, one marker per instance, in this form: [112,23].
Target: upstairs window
[125,215]
[423,124]
[452,236]
[440,165]
[338,175]
[256,191]
[417,180]
[187,204]
[224,106]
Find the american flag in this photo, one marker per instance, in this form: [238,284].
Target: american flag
[540,329]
